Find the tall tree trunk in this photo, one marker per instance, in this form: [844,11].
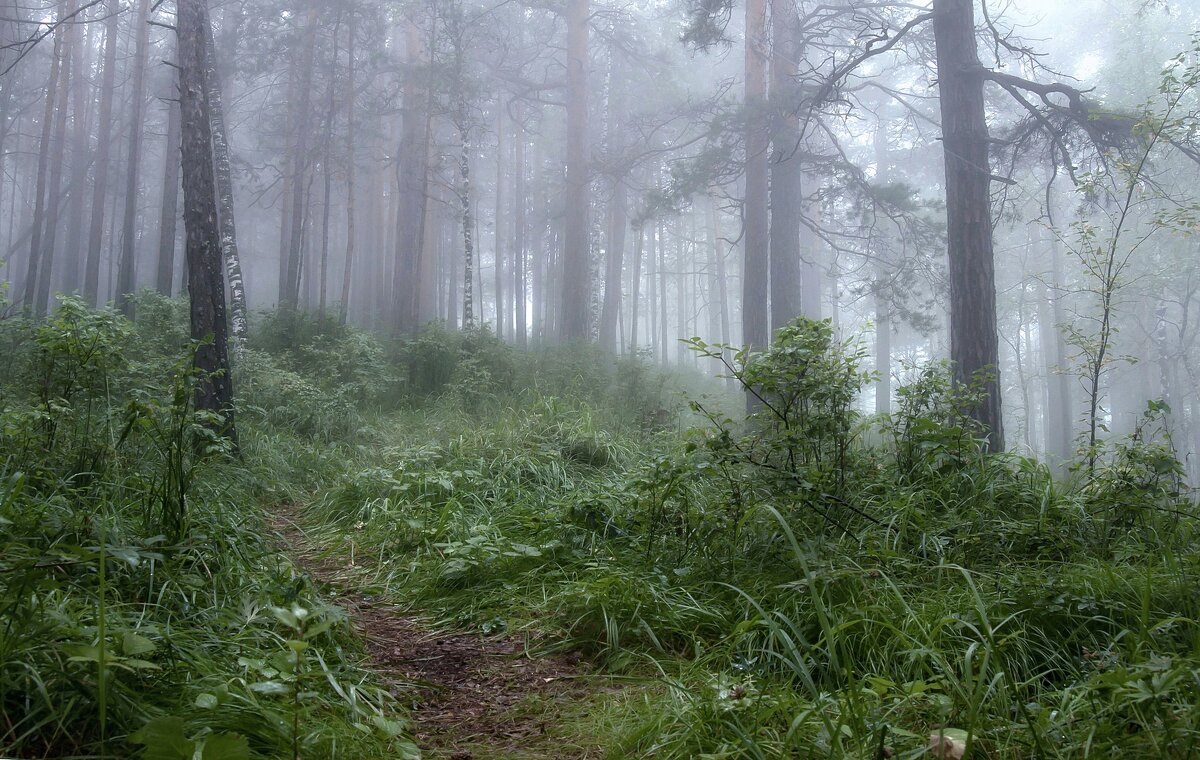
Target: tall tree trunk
[351,163]
[974,344]
[288,184]
[1052,314]
[238,312]
[327,166]
[81,154]
[576,249]
[811,272]
[652,288]
[615,265]
[881,290]
[104,121]
[299,199]
[639,236]
[41,225]
[520,278]
[681,278]
[413,181]
[54,202]
[127,269]
[664,330]
[501,320]
[755,332]
[786,171]
[617,213]
[719,253]
[468,227]
[214,386]
[165,276]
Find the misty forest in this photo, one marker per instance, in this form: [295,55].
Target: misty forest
[599,379]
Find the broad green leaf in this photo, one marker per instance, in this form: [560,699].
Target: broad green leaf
[226,747]
[165,739]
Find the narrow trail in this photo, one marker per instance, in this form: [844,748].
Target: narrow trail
[470,697]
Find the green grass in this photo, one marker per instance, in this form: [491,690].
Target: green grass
[835,586]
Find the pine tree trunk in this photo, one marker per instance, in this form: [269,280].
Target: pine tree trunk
[40,213]
[169,218]
[54,201]
[501,317]
[576,249]
[127,269]
[81,154]
[755,332]
[520,277]
[214,386]
[883,308]
[974,344]
[639,236]
[104,121]
[351,164]
[298,215]
[786,170]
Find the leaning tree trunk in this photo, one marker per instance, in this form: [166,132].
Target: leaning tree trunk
[206,286]
[974,345]
[238,320]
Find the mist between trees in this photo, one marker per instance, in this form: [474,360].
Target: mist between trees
[1010,188]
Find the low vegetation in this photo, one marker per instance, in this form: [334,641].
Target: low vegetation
[799,581]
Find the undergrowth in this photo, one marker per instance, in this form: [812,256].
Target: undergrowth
[805,581]
[800,581]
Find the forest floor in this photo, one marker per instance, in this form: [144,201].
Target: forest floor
[470,696]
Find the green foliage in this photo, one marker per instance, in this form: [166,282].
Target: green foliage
[803,582]
[134,574]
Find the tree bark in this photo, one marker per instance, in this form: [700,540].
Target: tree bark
[786,171]
[351,162]
[169,218]
[412,184]
[81,154]
[883,307]
[104,121]
[43,227]
[1051,314]
[214,385]
[127,269]
[755,277]
[974,345]
[520,277]
[238,313]
[576,250]
[298,215]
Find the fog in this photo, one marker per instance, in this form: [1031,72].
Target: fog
[1009,186]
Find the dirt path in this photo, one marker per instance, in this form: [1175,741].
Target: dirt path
[477,698]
